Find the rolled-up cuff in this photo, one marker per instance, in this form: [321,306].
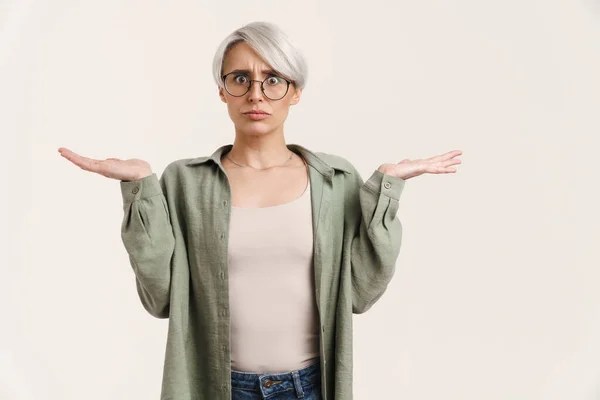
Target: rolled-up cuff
[389,185]
[142,188]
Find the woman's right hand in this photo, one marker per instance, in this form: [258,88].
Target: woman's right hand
[125,170]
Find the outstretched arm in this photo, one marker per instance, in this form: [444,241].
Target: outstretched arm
[371,213]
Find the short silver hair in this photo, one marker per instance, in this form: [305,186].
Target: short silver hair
[272,45]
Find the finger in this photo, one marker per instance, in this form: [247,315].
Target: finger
[438,168]
[447,163]
[446,156]
[441,167]
[70,155]
[92,165]
[82,162]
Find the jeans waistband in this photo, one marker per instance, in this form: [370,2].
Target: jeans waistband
[274,382]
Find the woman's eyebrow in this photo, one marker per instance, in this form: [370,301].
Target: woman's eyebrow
[246,71]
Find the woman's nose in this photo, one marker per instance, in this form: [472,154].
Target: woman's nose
[255,93]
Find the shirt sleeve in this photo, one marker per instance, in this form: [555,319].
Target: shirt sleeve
[147,234]
[377,234]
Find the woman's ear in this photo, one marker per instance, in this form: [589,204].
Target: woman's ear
[296,97]
[222,95]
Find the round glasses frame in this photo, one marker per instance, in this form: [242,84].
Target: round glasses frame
[262,87]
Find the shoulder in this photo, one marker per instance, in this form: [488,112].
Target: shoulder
[180,163]
[177,169]
[337,162]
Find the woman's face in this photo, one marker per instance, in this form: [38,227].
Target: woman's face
[242,57]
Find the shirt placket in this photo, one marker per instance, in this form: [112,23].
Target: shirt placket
[321,244]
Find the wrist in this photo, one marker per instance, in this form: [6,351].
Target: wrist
[143,175]
[384,170]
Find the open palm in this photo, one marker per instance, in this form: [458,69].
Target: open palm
[115,168]
[440,164]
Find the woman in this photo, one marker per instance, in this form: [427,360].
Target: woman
[260,253]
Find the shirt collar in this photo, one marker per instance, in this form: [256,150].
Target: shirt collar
[312,159]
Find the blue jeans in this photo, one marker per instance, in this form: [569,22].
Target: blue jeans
[303,384]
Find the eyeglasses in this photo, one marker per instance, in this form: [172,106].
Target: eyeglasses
[273,87]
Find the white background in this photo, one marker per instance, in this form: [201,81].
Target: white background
[495,295]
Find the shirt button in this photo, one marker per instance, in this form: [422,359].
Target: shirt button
[323,328]
[135,190]
[387,185]
[224,202]
[222,235]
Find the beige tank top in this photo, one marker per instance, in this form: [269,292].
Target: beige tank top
[274,317]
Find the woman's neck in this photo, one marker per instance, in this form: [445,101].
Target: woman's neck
[260,153]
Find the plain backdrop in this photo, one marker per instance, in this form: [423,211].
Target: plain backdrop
[495,294]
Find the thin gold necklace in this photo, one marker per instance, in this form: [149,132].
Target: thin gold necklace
[260,169]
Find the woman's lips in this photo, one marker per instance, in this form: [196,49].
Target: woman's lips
[257,116]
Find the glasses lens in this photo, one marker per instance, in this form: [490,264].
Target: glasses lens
[275,87]
[237,84]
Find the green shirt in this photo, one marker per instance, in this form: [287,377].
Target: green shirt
[175,231]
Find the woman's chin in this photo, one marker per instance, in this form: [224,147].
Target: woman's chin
[255,128]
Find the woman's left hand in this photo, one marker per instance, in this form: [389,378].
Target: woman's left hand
[406,168]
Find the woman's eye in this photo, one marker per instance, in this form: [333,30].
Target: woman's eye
[274,80]
[241,78]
